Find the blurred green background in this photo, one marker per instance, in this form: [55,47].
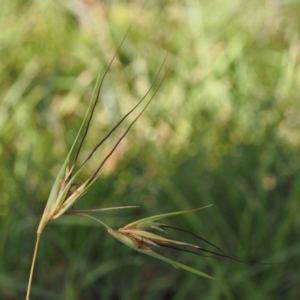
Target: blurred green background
[224,128]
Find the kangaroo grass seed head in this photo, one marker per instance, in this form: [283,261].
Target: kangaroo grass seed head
[66,189]
[136,235]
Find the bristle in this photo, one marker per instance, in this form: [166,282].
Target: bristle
[93,108]
[93,177]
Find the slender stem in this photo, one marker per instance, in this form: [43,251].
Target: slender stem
[32,265]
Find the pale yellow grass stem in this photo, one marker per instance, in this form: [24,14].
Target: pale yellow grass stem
[32,265]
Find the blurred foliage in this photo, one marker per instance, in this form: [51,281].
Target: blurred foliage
[224,128]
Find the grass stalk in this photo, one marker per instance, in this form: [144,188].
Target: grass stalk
[62,197]
[32,265]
